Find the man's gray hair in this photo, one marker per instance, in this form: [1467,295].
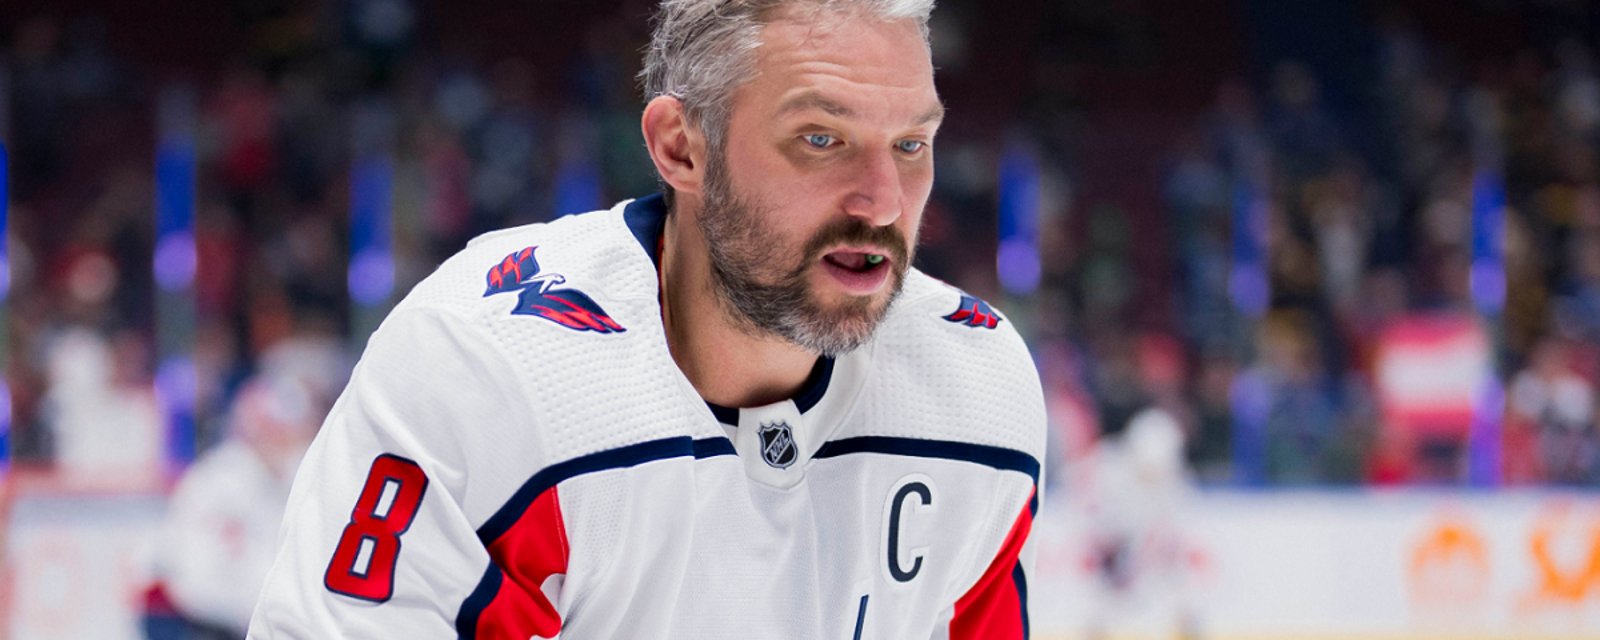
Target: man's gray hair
[703,50]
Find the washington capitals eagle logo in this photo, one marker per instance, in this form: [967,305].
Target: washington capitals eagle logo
[974,313]
[541,296]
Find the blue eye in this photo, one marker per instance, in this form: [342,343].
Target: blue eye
[819,140]
[910,146]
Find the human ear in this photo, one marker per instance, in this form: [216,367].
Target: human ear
[676,147]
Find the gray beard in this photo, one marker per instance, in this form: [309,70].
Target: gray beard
[764,298]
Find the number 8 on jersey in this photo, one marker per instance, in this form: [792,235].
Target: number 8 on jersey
[363,563]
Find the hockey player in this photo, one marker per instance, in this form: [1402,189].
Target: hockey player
[731,410]
[218,540]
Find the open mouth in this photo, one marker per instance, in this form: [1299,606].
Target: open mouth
[859,272]
[856,261]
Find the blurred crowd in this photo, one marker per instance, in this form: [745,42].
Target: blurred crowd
[1275,377]
[1448,223]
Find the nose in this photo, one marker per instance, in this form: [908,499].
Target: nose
[875,194]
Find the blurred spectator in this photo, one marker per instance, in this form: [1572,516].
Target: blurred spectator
[222,521]
[100,409]
[1286,419]
[1369,199]
[1210,449]
[1558,406]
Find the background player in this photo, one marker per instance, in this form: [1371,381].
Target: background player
[224,516]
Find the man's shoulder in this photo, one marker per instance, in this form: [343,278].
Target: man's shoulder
[938,321]
[958,362]
[533,336]
[558,305]
[581,274]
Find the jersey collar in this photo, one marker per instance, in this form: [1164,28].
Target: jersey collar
[815,387]
[647,219]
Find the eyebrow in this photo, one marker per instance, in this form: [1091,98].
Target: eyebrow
[936,114]
[814,100]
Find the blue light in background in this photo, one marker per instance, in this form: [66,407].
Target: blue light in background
[1248,285]
[5,425]
[1485,451]
[1488,287]
[371,275]
[1250,398]
[578,187]
[173,264]
[176,390]
[174,259]
[5,291]
[1488,255]
[1017,257]
[5,203]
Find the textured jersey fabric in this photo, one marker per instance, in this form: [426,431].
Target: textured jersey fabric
[517,455]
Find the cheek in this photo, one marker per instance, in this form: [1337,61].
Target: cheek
[916,187]
[768,177]
[917,181]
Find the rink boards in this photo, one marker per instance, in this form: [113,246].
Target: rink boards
[1292,565]
[1315,565]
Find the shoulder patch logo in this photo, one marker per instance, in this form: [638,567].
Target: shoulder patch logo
[973,312]
[541,296]
[777,444]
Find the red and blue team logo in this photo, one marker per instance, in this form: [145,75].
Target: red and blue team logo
[974,313]
[542,297]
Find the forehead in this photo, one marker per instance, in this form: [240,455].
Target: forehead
[873,67]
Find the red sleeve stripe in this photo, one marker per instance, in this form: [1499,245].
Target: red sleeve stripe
[509,602]
[996,608]
[527,543]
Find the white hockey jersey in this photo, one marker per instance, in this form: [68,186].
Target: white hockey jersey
[517,455]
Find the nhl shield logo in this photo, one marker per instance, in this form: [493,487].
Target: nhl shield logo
[777,444]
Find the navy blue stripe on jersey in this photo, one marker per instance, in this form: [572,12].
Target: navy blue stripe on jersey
[816,385]
[708,447]
[632,455]
[647,218]
[726,415]
[861,616]
[1021,580]
[467,619]
[811,392]
[997,457]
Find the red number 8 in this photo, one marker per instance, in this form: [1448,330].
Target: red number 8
[375,581]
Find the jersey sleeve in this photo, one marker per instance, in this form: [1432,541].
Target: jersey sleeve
[376,540]
[996,607]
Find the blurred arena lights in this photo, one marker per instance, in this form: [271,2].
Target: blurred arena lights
[371,277]
[5,290]
[173,263]
[175,388]
[1488,242]
[1248,283]
[1017,257]
[174,259]
[1488,287]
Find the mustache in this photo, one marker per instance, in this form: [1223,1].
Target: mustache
[856,231]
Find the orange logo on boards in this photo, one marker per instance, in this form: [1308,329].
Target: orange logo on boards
[1449,566]
[1566,557]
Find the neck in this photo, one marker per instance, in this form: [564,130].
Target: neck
[727,364]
